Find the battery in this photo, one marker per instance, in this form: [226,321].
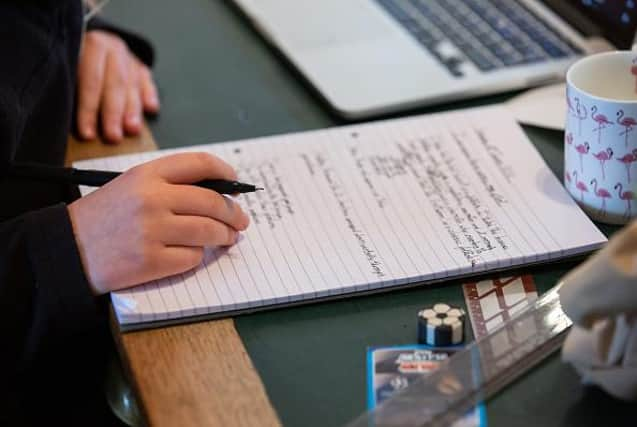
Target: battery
[441,325]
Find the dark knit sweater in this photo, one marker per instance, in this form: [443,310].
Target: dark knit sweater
[54,335]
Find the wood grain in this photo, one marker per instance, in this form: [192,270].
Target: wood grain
[80,150]
[197,374]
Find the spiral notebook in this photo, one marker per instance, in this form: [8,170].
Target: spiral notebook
[370,207]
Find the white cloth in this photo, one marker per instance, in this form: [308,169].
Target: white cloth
[600,297]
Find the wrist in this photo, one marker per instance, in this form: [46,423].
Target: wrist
[76,227]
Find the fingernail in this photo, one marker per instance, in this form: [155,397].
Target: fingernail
[154,102]
[116,133]
[134,120]
[88,132]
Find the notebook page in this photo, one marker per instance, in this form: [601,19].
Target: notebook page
[371,206]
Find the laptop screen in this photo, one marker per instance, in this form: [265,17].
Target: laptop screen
[617,19]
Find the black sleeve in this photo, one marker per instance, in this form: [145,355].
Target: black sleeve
[44,294]
[43,289]
[54,337]
[136,43]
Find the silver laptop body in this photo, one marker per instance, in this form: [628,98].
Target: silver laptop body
[370,57]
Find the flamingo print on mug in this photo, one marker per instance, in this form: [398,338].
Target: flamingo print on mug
[600,140]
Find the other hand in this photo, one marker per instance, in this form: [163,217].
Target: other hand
[114,85]
[149,223]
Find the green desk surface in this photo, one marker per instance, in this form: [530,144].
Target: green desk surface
[220,81]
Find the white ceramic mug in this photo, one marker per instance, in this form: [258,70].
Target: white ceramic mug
[600,140]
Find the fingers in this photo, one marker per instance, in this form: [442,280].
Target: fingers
[177,259]
[115,91]
[133,113]
[142,97]
[114,86]
[90,82]
[187,168]
[149,95]
[190,200]
[197,231]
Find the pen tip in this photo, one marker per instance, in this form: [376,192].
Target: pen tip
[260,189]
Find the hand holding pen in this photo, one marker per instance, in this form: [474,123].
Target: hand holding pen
[150,222]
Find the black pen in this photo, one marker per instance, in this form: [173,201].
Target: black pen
[97,178]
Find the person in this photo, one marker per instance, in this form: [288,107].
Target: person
[58,252]
[599,297]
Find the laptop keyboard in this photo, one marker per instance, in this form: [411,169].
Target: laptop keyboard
[484,35]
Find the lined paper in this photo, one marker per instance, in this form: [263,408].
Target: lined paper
[371,206]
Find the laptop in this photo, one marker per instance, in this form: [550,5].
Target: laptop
[371,57]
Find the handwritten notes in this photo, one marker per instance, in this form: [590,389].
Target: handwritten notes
[372,206]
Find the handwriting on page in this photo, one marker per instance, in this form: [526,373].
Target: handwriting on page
[387,204]
[437,164]
[319,166]
[266,207]
[442,178]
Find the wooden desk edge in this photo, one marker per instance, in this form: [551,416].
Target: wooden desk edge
[187,375]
